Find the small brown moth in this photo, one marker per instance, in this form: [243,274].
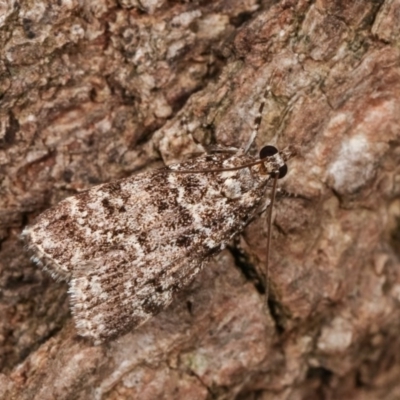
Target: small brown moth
[127,246]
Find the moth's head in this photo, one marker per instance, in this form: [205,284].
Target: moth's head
[274,161]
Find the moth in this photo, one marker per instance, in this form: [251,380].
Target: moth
[128,246]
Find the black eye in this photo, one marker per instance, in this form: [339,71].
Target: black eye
[282,171]
[268,151]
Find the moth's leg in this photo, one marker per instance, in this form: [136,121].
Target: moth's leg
[242,255]
[282,193]
[220,149]
[256,126]
[243,260]
[263,207]
[258,118]
[213,148]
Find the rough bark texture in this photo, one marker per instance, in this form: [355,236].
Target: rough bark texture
[94,91]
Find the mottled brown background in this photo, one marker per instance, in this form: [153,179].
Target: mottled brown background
[94,91]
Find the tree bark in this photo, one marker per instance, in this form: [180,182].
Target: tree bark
[95,91]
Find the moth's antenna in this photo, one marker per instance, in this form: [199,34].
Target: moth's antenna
[257,122]
[269,235]
[257,119]
[197,171]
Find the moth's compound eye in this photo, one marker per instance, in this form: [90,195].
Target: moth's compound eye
[282,171]
[268,151]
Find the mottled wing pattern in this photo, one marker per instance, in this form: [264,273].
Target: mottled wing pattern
[126,247]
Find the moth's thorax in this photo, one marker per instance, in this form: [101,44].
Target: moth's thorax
[237,183]
[273,163]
